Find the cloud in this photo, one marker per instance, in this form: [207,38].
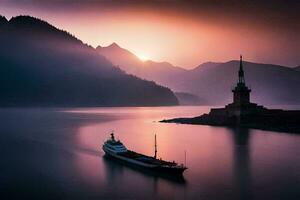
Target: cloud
[275,13]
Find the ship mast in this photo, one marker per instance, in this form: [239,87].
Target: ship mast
[155,145]
[184,157]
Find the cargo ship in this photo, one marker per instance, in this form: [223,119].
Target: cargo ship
[116,149]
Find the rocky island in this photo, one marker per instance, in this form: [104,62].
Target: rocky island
[243,113]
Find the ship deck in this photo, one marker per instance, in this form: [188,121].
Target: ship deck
[146,159]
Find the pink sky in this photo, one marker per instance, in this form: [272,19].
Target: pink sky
[184,36]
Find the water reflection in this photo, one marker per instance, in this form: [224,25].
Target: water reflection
[47,153]
[115,167]
[242,162]
[233,162]
[122,177]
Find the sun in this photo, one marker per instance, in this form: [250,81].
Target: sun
[143,57]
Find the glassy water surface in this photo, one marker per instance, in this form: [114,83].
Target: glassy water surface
[56,153]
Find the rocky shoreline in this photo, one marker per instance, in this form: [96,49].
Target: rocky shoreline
[274,120]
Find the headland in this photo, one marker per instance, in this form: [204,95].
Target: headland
[243,113]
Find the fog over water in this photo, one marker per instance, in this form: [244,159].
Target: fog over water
[56,153]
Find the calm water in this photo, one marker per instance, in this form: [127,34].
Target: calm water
[55,153]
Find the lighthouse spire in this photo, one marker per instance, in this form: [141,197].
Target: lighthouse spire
[241,72]
[241,93]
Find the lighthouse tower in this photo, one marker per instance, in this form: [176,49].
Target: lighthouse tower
[241,93]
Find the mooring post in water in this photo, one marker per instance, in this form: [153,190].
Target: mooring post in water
[185,158]
[155,145]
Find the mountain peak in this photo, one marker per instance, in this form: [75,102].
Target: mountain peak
[114,45]
[207,64]
[23,20]
[111,46]
[38,28]
[52,57]
[28,23]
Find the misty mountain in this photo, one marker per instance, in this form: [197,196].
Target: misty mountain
[212,82]
[270,84]
[161,72]
[41,65]
[185,98]
[297,68]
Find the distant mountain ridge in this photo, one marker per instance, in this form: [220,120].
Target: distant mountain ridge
[189,99]
[271,84]
[127,61]
[41,65]
[212,81]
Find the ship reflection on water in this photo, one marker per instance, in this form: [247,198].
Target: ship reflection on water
[112,163]
[157,186]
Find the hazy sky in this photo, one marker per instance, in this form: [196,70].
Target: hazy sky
[183,32]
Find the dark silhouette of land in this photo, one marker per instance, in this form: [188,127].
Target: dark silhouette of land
[41,65]
[210,81]
[243,113]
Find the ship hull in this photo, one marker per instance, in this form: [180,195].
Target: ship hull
[142,165]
